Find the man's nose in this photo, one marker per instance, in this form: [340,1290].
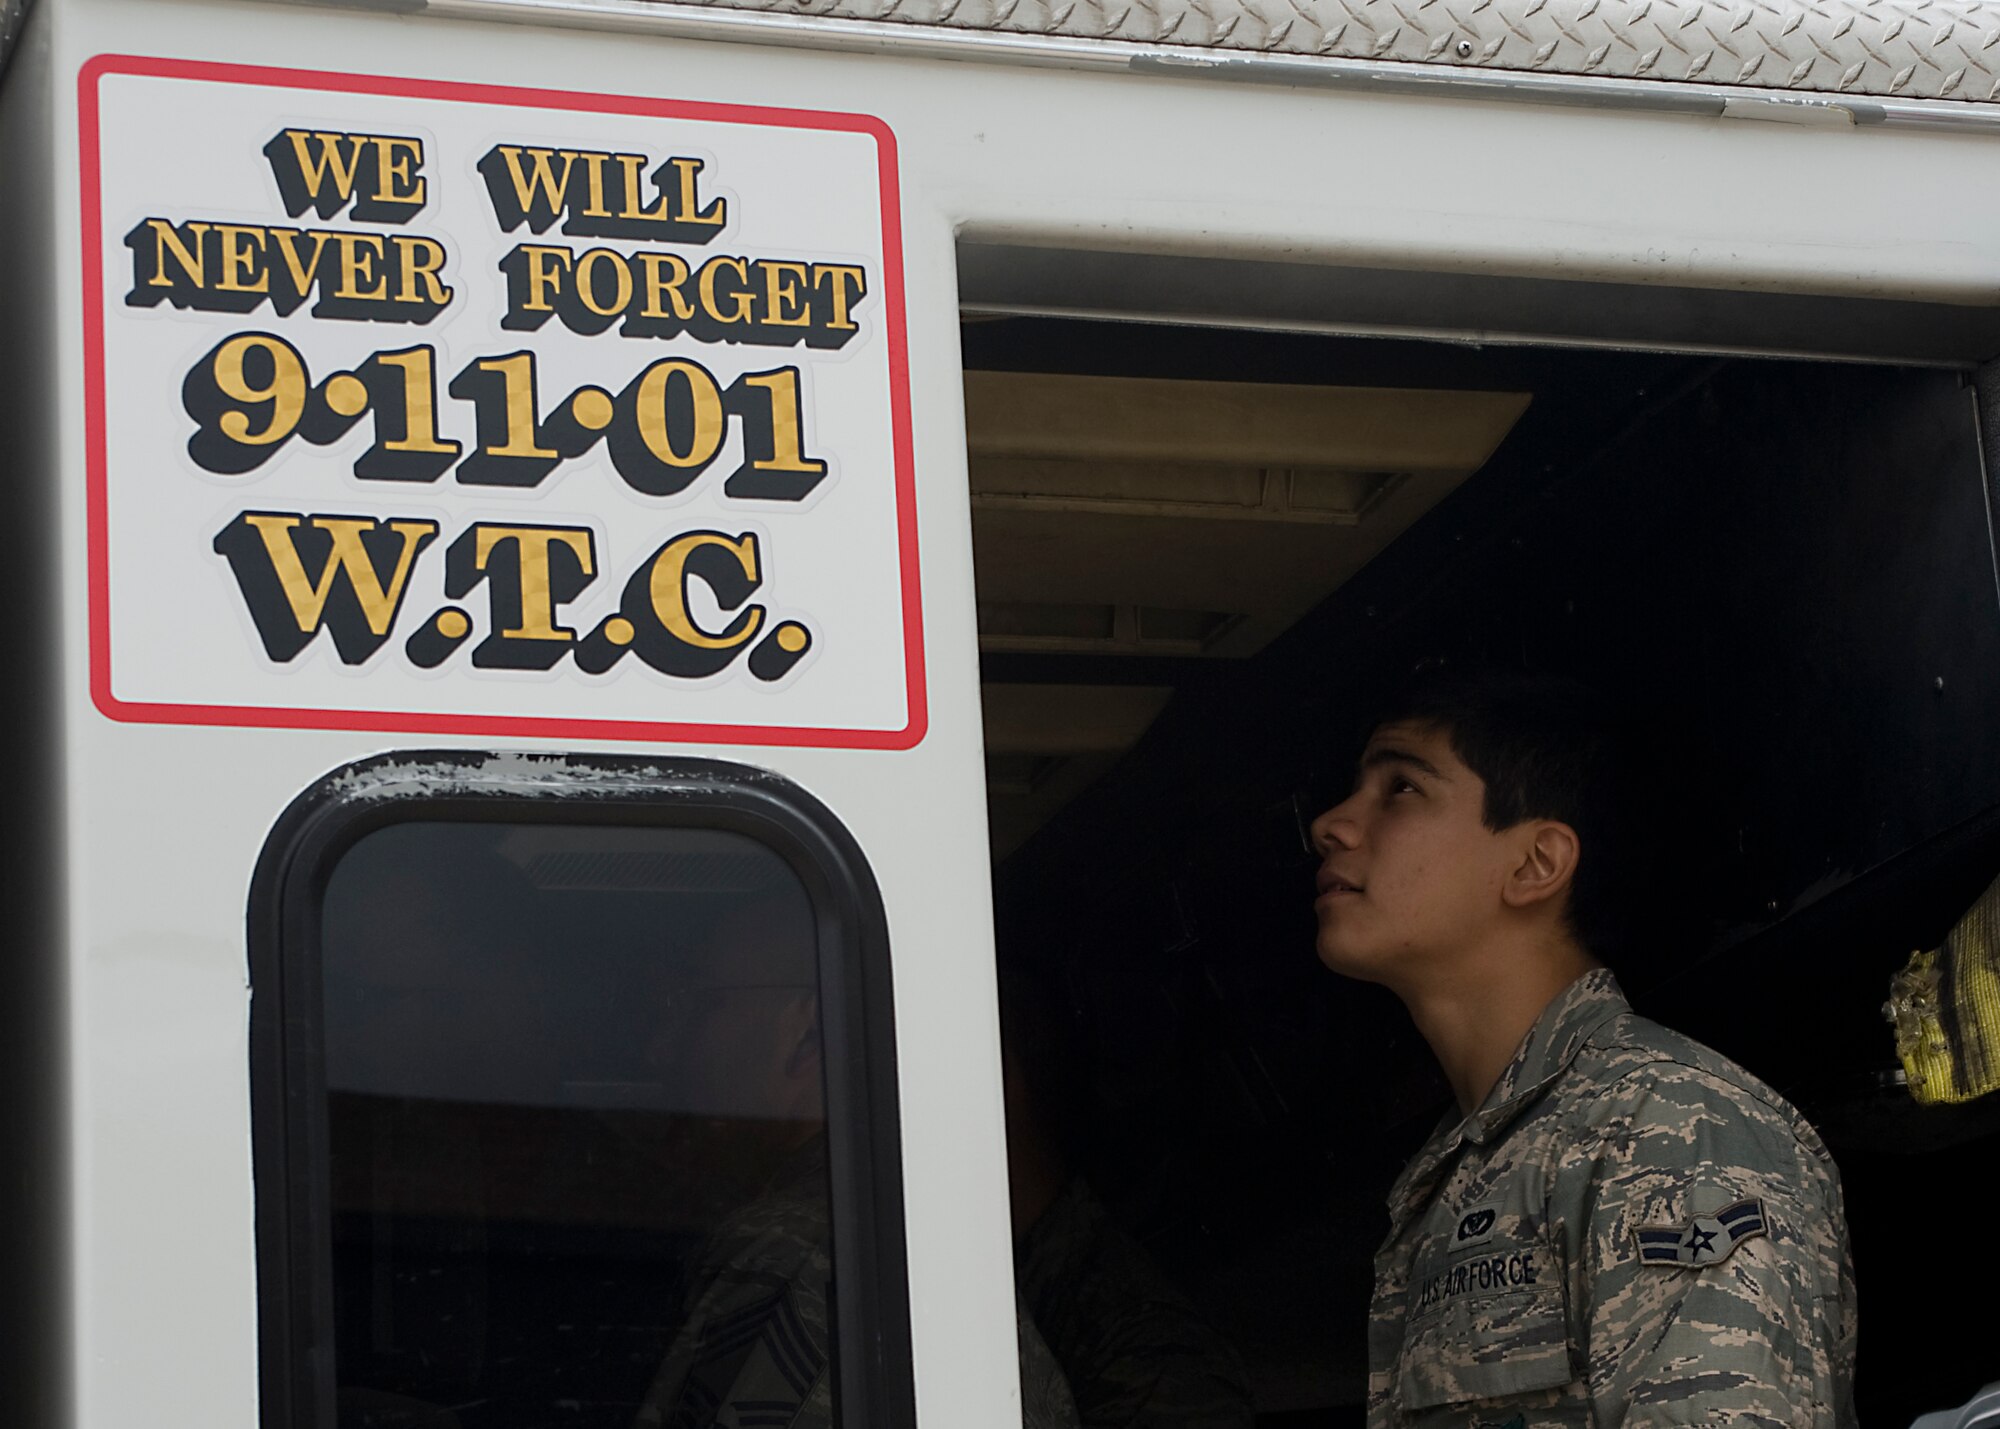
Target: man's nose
[1336,828]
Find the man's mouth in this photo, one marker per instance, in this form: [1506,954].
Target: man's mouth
[1332,884]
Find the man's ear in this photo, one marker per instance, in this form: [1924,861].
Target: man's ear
[1547,866]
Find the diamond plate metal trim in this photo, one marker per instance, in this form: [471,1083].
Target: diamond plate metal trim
[1907,49]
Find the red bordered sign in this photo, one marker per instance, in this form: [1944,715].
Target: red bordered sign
[450,408]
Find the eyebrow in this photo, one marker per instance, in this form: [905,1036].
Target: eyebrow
[1389,754]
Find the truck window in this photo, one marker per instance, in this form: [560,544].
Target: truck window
[558,1130]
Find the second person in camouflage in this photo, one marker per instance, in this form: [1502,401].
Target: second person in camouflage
[1615,1226]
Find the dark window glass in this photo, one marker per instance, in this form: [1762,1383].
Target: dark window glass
[576,1130]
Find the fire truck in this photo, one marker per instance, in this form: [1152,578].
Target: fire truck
[617,606]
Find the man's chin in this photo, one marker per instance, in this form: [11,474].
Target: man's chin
[1345,960]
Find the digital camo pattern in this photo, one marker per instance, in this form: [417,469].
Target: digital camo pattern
[755,1347]
[1137,1353]
[1511,1289]
[1910,49]
[1105,1342]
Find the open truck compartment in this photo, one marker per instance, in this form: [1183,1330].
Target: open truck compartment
[1781,570]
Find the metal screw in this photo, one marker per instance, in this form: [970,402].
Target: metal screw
[1465,49]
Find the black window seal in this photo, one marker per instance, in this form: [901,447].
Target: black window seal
[288,1124]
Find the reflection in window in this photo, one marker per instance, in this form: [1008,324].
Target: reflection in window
[576,1131]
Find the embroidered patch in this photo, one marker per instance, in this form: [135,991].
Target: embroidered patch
[1476,1224]
[1704,1240]
[1480,1274]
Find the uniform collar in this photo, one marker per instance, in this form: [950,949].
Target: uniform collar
[1548,1049]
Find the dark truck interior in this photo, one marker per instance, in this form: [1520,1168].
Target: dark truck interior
[1783,570]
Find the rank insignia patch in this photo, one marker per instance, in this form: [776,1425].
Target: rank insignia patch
[1704,1240]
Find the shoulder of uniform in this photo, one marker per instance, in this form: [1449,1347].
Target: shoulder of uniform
[1632,1058]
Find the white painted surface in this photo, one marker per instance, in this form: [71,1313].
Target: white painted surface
[167,821]
[188,149]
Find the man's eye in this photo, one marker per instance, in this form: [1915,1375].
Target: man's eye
[1401,786]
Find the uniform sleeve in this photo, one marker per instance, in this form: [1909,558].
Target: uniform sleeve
[1137,1354]
[754,1339]
[1706,1253]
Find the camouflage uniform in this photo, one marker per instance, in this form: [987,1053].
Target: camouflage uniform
[754,1345]
[1631,1230]
[1136,1353]
[754,1350]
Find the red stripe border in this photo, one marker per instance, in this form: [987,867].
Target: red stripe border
[413,722]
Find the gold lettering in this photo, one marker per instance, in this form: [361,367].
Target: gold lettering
[703,396]
[546,269]
[242,258]
[778,292]
[165,237]
[419,403]
[593,165]
[307,600]
[634,166]
[286,391]
[518,375]
[540,178]
[301,274]
[396,180]
[705,285]
[330,162]
[667,586]
[360,262]
[422,260]
[670,288]
[843,275]
[586,285]
[690,204]
[787,440]
[538,609]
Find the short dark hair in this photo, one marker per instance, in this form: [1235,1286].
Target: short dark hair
[1546,748]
